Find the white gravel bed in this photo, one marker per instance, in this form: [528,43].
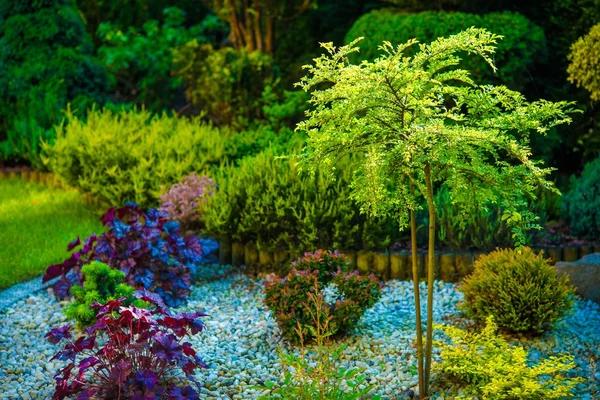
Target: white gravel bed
[241,341]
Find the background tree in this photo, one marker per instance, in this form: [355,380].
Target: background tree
[418,123]
[584,69]
[253,22]
[46,60]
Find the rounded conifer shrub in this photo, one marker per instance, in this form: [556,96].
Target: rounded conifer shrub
[519,289]
[348,296]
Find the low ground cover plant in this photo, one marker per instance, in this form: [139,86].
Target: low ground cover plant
[147,247]
[287,298]
[519,289]
[34,222]
[101,284]
[129,352]
[489,367]
[182,199]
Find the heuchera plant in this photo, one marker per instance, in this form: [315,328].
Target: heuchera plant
[130,353]
[146,247]
[181,201]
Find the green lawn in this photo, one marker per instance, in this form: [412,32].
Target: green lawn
[36,224]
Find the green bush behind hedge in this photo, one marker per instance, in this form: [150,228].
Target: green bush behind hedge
[523,44]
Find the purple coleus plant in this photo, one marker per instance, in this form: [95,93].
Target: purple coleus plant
[147,247]
[130,353]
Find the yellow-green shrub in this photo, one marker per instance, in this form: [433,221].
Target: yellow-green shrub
[132,155]
[584,69]
[519,289]
[489,367]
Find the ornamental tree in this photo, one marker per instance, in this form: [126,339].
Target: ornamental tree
[419,123]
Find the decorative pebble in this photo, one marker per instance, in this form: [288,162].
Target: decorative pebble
[242,340]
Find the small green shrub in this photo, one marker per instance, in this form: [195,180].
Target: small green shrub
[226,83]
[264,201]
[102,283]
[520,290]
[489,367]
[326,379]
[582,202]
[523,44]
[288,298]
[132,155]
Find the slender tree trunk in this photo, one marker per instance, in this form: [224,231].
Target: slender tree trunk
[415,270]
[430,277]
[258,29]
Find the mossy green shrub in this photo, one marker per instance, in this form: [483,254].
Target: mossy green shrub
[523,44]
[519,289]
[101,284]
[490,368]
[582,202]
[47,61]
[226,83]
[289,298]
[132,155]
[263,200]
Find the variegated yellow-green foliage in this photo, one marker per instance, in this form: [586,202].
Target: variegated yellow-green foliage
[418,121]
[520,289]
[489,367]
[132,155]
[404,114]
[584,69]
[102,283]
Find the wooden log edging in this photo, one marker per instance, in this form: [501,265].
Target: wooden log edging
[449,266]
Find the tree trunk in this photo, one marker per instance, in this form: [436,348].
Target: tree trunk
[415,270]
[430,276]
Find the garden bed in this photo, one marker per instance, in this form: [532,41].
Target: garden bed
[241,340]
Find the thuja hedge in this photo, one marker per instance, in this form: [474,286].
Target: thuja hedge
[265,201]
[523,42]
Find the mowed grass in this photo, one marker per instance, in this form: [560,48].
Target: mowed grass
[36,224]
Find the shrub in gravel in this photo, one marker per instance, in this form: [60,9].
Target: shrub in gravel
[489,367]
[101,284]
[304,379]
[147,247]
[130,353]
[181,201]
[287,299]
[519,289]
